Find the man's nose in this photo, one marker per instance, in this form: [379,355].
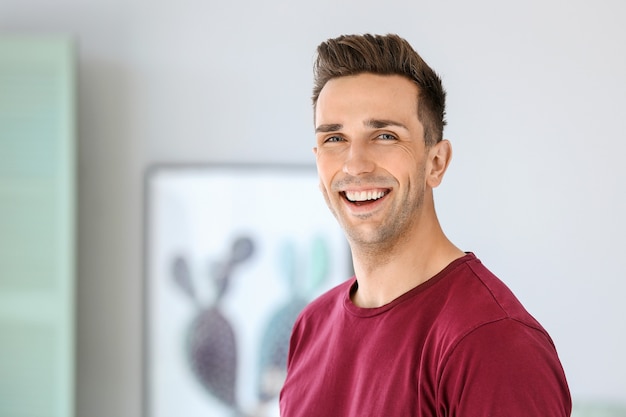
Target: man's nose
[359,160]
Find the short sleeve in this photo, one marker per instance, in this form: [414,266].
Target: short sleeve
[503,368]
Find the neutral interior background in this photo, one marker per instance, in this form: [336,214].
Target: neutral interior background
[537,105]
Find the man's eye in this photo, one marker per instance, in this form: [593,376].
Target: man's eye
[334,139]
[386,136]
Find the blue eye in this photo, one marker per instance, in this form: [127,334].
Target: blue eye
[386,136]
[334,139]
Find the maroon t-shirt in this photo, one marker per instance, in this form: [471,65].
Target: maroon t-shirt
[459,344]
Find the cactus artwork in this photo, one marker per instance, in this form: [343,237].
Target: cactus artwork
[212,346]
[234,252]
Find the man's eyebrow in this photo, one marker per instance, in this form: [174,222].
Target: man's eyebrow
[382,123]
[372,123]
[331,127]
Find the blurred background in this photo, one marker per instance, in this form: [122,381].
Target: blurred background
[536,116]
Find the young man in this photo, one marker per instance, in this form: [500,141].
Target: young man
[422,329]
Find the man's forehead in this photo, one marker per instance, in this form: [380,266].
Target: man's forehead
[365,98]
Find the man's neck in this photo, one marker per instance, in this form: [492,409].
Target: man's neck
[384,274]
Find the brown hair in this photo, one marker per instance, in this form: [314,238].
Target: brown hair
[384,55]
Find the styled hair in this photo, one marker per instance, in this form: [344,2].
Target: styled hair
[384,55]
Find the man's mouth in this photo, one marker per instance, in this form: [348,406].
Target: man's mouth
[364,197]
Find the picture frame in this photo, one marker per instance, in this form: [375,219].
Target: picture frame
[233,252]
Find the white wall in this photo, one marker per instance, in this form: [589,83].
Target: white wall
[537,98]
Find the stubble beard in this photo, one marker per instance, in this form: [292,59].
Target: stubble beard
[379,244]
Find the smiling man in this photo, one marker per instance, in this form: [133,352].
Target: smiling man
[423,328]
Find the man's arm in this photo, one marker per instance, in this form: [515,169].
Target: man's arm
[504,368]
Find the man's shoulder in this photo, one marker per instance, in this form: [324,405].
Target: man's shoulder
[473,297]
[492,290]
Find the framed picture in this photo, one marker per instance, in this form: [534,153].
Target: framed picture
[232,255]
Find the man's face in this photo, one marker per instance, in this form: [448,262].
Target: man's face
[371,156]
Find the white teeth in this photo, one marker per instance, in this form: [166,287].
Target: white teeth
[364,195]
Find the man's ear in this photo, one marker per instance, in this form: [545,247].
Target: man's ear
[439,156]
[315,151]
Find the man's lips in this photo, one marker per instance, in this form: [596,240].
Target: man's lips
[360,197]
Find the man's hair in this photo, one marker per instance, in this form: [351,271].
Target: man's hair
[384,55]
